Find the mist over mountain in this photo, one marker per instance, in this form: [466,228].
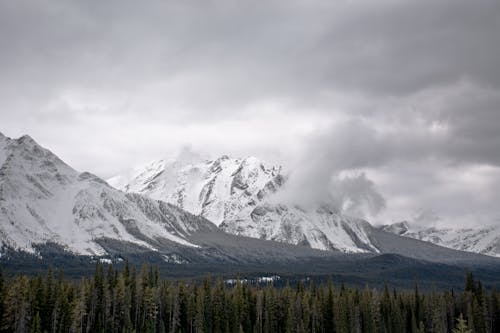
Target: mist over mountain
[251,198]
[245,197]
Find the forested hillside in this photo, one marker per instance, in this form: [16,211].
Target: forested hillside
[130,301]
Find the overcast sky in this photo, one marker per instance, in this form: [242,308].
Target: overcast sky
[400,97]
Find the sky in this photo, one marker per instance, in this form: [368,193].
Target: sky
[391,107]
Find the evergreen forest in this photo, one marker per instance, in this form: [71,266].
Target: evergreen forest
[131,300]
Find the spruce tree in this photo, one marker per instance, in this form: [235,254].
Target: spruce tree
[461,326]
[36,324]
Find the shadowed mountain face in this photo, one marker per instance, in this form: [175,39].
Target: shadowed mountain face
[50,213]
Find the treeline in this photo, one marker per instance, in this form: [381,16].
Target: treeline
[130,301]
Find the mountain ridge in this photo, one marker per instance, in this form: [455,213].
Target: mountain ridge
[49,209]
[484,240]
[236,194]
[43,199]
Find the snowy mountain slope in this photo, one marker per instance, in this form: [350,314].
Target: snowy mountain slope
[213,189]
[234,194]
[46,205]
[485,240]
[43,200]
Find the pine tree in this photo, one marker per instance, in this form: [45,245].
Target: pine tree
[16,317]
[79,310]
[219,318]
[199,319]
[150,310]
[470,284]
[259,312]
[2,296]
[461,326]
[175,313]
[328,309]
[36,325]
[122,305]
[494,311]
[421,327]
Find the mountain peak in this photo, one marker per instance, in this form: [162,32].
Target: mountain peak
[234,193]
[398,228]
[26,139]
[222,158]
[252,160]
[42,200]
[28,143]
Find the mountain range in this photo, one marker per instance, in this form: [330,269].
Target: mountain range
[237,195]
[484,240]
[212,216]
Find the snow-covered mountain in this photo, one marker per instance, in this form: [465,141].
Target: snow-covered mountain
[235,195]
[42,200]
[485,240]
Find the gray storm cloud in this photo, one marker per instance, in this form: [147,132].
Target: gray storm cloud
[377,100]
[318,176]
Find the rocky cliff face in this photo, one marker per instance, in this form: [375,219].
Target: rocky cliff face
[235,194]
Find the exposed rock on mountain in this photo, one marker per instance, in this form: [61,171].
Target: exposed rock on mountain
[235,194]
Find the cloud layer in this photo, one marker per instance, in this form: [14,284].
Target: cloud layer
[401,96]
